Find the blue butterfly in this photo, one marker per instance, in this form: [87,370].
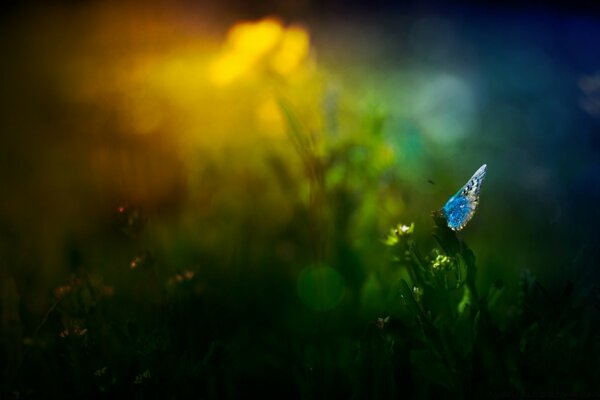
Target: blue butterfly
[459,209]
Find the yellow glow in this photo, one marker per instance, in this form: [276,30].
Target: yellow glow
[140,87]
[255,39]
[258,47]
[247,43]
[229,67]
[270,119]
[292,51]
[192,92]
[183,72]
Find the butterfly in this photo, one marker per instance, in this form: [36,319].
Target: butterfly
[459,209]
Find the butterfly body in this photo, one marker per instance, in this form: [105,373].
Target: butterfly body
[460,208]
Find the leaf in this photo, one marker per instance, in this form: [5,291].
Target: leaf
[407,295]
[466,301]
[296,132]
[429,329]
[445,236]
[494,293]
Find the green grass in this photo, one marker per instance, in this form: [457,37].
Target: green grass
[289,287]
[431,333]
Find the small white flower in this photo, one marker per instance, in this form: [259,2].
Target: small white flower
[142,377]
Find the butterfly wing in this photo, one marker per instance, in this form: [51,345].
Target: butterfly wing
[459,209]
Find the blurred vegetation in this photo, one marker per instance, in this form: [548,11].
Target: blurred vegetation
[237,221]
[417,327]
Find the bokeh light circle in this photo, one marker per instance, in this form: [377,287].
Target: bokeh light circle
[445,107]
